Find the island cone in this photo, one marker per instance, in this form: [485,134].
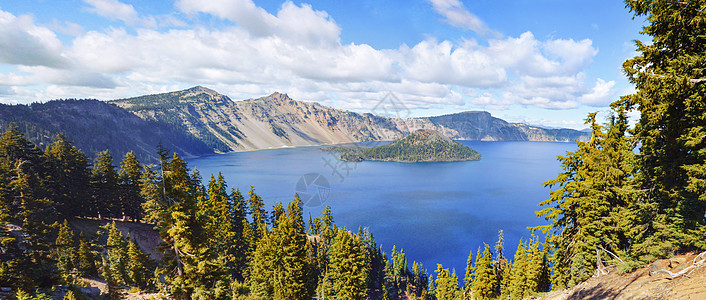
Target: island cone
[419,146]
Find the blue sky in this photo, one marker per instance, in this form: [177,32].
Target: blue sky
[543,62]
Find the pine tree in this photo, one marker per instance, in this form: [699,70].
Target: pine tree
[593,208]
[445,288]
[501,265]
[256,208]
[348,266]
[468,279]
[85,259]
[485,277]
[115,266]
[219,229]
[65,253]
[69,177]
[544,280]
[279,267]
[431,289]
[668,76]
[238,211]
[129,186]
[36,216]
[518,288]
[137,268]
[104,180]
[171,204]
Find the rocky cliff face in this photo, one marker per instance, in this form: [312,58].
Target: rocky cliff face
[274,121]
[278,121]
[199,121]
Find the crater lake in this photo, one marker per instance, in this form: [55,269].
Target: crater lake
[437,212]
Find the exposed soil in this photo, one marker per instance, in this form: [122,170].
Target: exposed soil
[644,283]
[142,233]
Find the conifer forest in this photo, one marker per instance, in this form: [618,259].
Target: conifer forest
[633,193]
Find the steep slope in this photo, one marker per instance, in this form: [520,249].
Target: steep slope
[480,125]
[646,283]
[95,126]
[277,121]
[199,121]
[269,122]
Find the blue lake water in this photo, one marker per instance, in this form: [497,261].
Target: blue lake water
[436,212]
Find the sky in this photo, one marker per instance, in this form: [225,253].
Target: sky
[542,62]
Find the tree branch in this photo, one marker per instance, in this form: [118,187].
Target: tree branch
[695,264]
[692,80]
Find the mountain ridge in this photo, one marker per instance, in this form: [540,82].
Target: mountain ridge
[199,121]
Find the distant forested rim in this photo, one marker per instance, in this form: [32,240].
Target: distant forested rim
[419,146]
[216,243]
[95,126]
[199,121]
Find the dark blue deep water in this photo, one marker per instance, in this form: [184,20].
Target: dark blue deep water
[436,212]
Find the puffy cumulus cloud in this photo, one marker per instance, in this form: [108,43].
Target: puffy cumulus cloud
[456,14]
[430,61]
[295,50]
[529,56]
[560,92]
[298,24]
[23,43]
[600,95]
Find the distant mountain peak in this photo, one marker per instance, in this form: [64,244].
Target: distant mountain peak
[279,96]
[201,90]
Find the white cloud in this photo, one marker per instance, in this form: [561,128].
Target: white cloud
[602,94]
[456,14]
[113,9]
[66,27]
[470,66]
[116,10]
[297,50]
[23,43]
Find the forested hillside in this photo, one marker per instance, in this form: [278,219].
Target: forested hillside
[95,126]
[419,146]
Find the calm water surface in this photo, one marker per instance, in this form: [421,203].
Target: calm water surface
[436,212]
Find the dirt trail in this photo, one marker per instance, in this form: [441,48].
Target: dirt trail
[641,285]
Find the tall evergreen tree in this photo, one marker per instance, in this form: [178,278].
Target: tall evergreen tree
[85,259]
[669,79]
[518,288]
[65,253]
[69,177]
[279,267]
[594,204]
[238,212]
[348,266]
[129,186]
[485,278]
[171,205]
[445,288]
[468,279]
[137,268]
[104,181]
[116,260]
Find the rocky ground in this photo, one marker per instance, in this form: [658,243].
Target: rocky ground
[651,282]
